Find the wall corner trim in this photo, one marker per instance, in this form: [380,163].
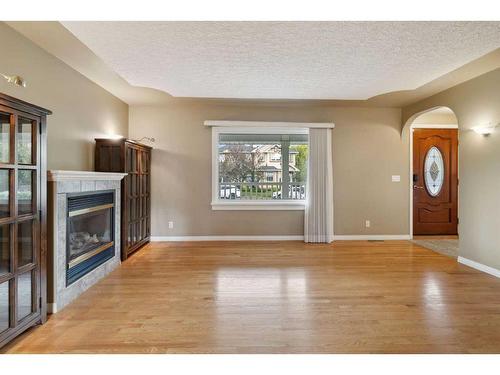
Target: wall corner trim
[479,266]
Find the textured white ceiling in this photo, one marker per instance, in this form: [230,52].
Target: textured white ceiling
[285,60]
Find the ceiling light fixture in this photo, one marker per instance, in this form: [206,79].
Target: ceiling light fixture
[16,80]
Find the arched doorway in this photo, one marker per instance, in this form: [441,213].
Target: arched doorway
[434,180]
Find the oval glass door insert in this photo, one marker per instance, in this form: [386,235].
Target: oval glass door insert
[434,171]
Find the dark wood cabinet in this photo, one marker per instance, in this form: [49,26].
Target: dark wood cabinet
[126,156]
[23,217]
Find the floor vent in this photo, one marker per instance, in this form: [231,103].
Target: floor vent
[375,240]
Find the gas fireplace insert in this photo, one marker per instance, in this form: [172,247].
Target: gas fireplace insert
[90,232]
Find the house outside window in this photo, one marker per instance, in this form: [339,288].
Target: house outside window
[259,168]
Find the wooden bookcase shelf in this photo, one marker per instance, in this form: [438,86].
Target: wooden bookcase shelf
[127,156]
[23,216]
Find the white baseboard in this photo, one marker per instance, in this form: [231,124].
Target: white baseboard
[51,308]
[479,266]
[225,238]
[362,237]
[368,237]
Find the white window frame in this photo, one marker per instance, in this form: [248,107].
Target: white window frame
[219,204]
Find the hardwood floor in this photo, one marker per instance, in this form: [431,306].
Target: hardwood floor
[279,297]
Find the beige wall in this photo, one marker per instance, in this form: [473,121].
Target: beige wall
[367,146]
[367,149]
[475,102]
[81,109]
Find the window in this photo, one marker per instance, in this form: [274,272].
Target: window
[259,168]
[276,156]
[434,171]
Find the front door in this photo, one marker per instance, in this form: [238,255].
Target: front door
[435,181]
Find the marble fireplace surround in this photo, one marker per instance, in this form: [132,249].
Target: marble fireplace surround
[60,184]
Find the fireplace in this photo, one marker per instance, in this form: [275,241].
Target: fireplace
[90,232]
[83,232]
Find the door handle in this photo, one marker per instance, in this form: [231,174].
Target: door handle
[417,187]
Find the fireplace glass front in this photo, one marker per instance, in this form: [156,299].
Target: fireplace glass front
[90,240]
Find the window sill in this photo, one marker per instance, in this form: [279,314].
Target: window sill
[259,206]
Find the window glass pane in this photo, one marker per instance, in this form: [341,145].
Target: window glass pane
[4,249]
[145,159]
[24,137]
[134,161]
[131,233]
[434,171]
[24,295]
[139,231]
[24,243]
[4,138]
[130,167]
[132,209]
[4,193]
[25,191]
[133,185]
[262,166]
[4,306]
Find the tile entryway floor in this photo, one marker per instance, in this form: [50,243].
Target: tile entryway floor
[446,245]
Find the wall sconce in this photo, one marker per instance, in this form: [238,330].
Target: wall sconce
[16,80]
[484,129]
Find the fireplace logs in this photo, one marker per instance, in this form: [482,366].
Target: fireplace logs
[80,241]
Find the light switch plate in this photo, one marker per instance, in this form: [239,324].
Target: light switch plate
[396,178]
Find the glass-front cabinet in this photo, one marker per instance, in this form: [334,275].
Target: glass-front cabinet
[22,216]
[133,158]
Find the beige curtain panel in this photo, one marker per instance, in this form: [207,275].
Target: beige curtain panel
[319,209]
